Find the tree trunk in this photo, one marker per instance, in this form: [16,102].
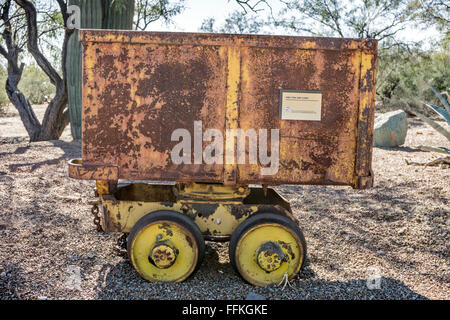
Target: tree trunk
[55,118]
[11,54]
[27,115]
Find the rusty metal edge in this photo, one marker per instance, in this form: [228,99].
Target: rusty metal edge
[363,162]
[245,40]
[78,170]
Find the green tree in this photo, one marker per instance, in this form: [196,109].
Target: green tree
[20,27]
[433,13]
[375,19]
[236,22]
[148,11]
[404,73]
[36,86]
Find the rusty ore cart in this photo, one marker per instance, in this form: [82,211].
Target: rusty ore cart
[315,94]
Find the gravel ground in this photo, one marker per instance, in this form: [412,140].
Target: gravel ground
[400,228]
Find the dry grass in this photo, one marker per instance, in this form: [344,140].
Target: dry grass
[400,226]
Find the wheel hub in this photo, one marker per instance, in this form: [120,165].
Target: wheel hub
[163,256]
[270,256]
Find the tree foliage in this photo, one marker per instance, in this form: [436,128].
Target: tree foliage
[235,23]
[148,11]
[376,19]
[432,13]
[36,86]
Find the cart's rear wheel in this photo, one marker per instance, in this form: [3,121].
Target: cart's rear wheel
[165,246]
[265,247]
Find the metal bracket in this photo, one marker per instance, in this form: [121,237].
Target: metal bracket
[364,182]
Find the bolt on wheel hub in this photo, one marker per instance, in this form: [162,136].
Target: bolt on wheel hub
[270,256]
[163,256]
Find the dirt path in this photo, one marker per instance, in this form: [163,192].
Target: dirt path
[399,228]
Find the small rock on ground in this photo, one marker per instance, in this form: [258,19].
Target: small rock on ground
[254,296]
[390,129]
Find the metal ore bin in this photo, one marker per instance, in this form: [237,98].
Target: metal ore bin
[138,87]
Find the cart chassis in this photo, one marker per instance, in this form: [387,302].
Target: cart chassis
[215,208]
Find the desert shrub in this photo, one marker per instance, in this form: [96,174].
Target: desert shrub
[403,75]
[36,86]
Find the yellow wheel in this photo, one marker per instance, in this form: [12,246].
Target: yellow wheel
[165,246]
[266,247]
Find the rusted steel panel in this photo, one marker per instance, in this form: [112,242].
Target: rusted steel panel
[138,87]
[310,151]
[137,96]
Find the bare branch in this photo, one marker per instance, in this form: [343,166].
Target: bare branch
[246,4]
[32,43]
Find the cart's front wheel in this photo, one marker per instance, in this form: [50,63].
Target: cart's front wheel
[267,247]
[165,246]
